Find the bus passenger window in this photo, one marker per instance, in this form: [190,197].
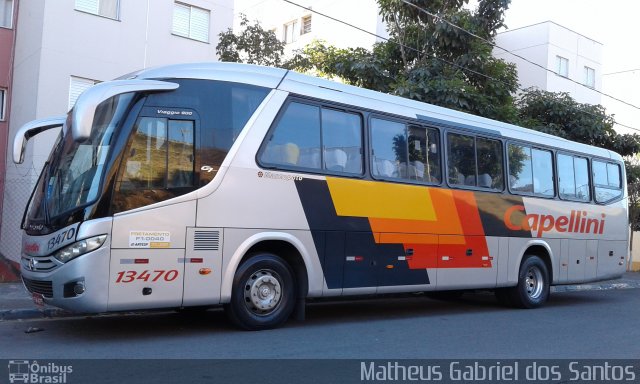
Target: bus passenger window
[342,141]
[573,178]
[606,177]
[424,155]
[530,170]
[389,144]
[520,173]
[461,160]
[542,172]
[490,164]
[295,141]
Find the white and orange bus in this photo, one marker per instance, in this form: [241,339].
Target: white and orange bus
[257,188]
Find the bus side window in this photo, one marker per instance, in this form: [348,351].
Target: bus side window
[295,141]
[314,138]
[342,141]
[160,158]
[461,159]
[389,145]
[606,178]
[573,178]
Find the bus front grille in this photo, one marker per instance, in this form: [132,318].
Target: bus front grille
[44,288]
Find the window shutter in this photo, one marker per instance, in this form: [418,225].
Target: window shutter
[6,13]
[199,24]
[109,8]
[90,6]
[181,20]
[78,85]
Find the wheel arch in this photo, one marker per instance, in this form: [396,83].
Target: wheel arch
[539,248]
[284,245]
[543,252]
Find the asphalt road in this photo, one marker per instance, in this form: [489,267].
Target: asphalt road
[575,325]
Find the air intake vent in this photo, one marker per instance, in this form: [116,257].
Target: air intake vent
[206,241]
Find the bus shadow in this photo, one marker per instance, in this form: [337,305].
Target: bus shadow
[141,326]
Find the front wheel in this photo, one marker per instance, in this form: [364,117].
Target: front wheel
[533,286]
[263,293]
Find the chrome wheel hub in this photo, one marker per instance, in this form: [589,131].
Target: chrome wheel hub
[534,283]
[263,292]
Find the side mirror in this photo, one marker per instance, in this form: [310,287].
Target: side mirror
[31,129]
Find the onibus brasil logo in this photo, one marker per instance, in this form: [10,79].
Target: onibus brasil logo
[25,371]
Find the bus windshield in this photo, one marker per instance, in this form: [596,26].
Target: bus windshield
[71,178]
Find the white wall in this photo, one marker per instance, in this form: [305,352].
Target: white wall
[274,14]
[635,252]
[541,44]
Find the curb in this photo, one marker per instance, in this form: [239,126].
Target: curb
[28,314]
[595,287]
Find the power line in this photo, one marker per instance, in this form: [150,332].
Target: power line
[396,43]
[453,64]
[619,72]
[514,54]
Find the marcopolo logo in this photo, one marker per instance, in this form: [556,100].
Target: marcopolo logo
[25,371]
[279,176]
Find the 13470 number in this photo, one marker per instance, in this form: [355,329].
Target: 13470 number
[153,276]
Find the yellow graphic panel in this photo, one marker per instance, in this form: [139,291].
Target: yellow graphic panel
[380,200]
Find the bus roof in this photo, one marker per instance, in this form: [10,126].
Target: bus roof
[290,81]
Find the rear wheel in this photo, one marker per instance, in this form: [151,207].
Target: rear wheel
[532,290]
[263,293]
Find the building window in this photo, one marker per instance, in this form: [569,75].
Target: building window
[106,8]
[589,77]
[3,103]
[6,13]
[191,22]
[562,66]
[290,32]
[77,85]
[306,25]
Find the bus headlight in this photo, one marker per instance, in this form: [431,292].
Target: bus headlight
[78,248]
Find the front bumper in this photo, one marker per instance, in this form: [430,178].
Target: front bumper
[58,286]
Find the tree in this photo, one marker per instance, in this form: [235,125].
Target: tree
[428,59]
[559,114]
[253,45]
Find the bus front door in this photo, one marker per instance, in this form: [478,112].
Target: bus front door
[147,257]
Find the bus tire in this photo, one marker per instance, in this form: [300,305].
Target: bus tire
[533,286]
[263,293]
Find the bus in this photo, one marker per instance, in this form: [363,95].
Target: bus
[256,188]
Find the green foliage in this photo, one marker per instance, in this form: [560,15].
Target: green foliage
[253,45]
[427,59]
[559,114]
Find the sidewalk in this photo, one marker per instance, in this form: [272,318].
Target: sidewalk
[16,303]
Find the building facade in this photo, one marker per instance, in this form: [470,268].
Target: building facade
[62,47]
[7,42]
[566,60]
[298,26]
